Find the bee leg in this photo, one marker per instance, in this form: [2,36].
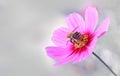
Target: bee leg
[71,40]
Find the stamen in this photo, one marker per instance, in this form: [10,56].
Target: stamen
[81,42]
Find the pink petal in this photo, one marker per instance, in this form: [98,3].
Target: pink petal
[83,55]
[103,28]
[91,19]
[65,60]
[75,20]
[92,45]
[79,57]
[60,36]
[57,52]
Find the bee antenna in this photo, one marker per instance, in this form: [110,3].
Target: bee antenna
[75,28]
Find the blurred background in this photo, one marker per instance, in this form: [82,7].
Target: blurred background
[26,27]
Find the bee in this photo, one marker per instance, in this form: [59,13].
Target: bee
[74,37]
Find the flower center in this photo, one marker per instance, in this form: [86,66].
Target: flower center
[78,40]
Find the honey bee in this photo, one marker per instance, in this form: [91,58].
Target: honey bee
[74,36]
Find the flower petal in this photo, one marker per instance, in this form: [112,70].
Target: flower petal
[91,46]
[75,20]
[57,52]
[65,60]
[91,19]
[84,54]
[103,28]
[60,36]
[79,57]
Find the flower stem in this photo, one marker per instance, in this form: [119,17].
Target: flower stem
[104,63]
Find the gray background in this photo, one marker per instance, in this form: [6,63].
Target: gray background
[26,27]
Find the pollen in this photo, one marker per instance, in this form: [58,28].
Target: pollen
[82,42]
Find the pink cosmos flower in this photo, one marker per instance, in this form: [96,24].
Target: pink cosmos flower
[77,41]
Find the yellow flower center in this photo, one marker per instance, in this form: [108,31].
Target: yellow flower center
[81,42]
